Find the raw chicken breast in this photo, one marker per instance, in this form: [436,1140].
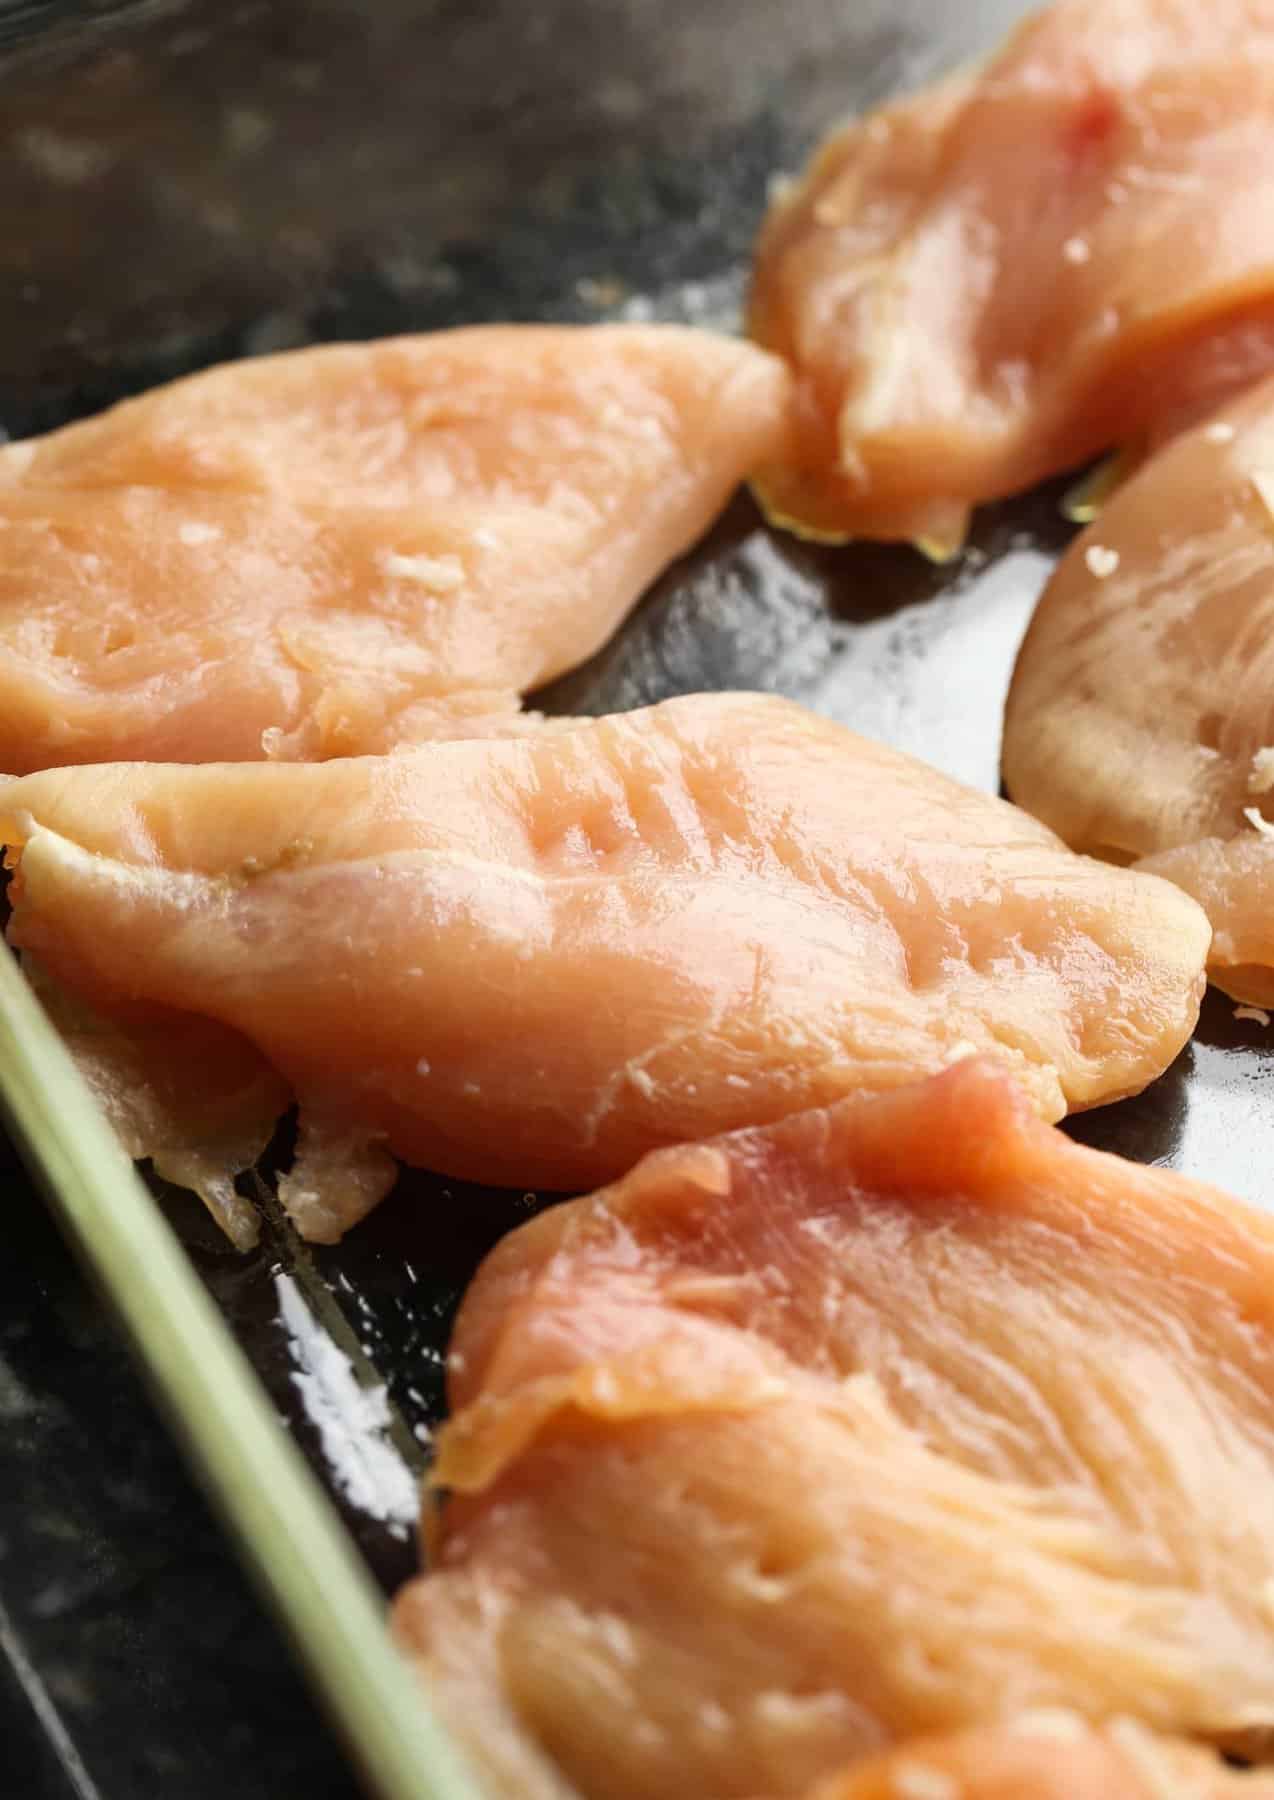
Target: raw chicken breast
[340,550]
[1233,880]
[1050,1755]
[893,1418]
[1068,247]
[1140,721]
[529,961]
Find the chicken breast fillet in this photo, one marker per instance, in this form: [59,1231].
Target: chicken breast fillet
[901,1417]
[1140,720]
[1064,249]
[340,550]
[529,961]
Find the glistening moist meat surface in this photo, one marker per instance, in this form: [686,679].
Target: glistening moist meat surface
[530,961]
[1140,721]
[900,1417]
[1063,249]
[344,549]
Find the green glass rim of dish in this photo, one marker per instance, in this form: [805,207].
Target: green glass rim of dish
[283,1522]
